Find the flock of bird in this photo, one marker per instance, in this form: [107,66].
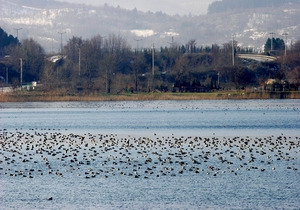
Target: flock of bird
[52,153]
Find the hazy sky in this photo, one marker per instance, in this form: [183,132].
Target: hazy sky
[195,7]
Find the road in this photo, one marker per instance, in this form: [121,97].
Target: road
[257,57]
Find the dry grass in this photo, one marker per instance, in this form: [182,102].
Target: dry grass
[54,96]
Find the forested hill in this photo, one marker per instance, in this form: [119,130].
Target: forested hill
[228,5]
[39,3]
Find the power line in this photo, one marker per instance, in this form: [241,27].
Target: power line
[61,45]
[17,29]
[137,44]
[172,43]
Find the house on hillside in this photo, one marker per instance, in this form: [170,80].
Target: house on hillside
[276,85]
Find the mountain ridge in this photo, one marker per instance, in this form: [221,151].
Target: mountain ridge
[251,27]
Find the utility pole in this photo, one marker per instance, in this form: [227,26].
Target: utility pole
[7,75]
[52,51]
[272,33]
[285,43]
[233,50]
[172,43]
[61,45]
[218,80]
[137,44]
[153,59]
[79,60]
[17,29]
[107,85]
[21,72]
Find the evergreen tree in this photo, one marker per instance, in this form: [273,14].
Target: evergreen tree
[6,40]
[278,44]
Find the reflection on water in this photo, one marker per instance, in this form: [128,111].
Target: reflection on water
[150,155]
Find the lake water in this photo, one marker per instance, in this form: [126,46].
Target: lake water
[232,154]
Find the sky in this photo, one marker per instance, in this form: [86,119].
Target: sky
[171,7]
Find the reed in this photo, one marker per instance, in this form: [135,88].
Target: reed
[24,96]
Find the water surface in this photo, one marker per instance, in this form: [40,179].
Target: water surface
[150,155]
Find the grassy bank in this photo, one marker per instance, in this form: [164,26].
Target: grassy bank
[23,96]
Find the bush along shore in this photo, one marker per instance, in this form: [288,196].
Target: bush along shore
[35,96]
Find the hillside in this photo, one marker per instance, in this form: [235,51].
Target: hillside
[232,5]
[42,20]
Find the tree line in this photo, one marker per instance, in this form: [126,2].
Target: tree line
[110,65]
[229,5]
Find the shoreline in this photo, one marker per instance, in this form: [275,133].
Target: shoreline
[26,96]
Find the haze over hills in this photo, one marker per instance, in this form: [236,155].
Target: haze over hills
[42,20]
[170,7]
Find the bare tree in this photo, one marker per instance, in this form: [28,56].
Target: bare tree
[191,46]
